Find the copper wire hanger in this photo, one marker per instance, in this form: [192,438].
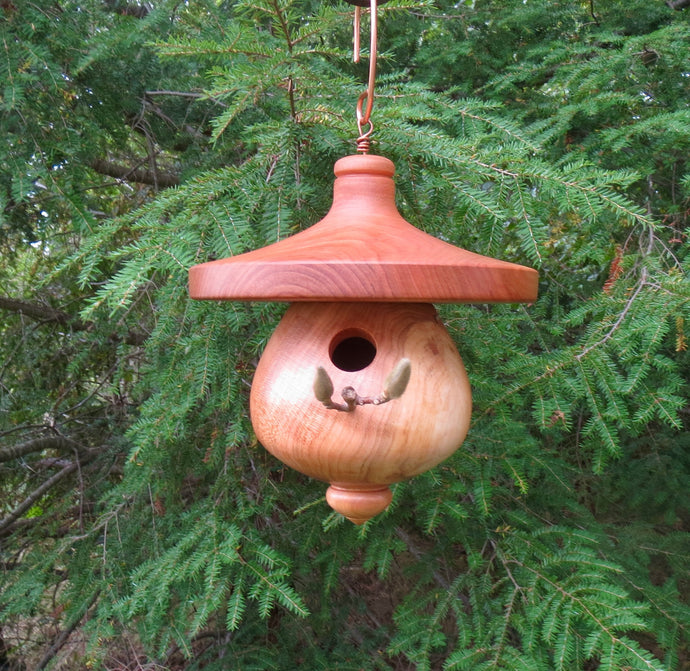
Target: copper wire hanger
[364,112]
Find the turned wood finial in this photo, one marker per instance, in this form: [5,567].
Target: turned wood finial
[358,505]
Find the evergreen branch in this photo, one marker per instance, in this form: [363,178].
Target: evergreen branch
[566,360]
[506,620]
[208,50]
[235,608]
[543,464]
[525,217]
[640,285]
[287,597]
[680,624]
[283,24]
[587,190]
[585,608]
[493,122]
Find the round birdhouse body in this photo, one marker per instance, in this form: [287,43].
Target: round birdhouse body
[358,345]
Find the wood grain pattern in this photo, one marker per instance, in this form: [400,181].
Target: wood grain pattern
[363,451]
[363,250]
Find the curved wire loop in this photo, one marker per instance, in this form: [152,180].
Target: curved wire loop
[364,141]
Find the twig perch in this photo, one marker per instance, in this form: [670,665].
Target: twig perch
[393,387]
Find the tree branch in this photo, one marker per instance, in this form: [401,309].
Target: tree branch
[26,523]
[59,443]
[642,283]
[60,640]
[83,457]
[678,4]
[162,115]
[38,311]
[128,9]
[181,94]
[46,314]
[137,175]
[37,494]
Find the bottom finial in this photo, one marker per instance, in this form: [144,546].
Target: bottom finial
[358,505]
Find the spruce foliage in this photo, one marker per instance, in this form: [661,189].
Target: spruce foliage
[149,522]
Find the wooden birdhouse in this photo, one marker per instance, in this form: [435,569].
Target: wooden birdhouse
[361,385]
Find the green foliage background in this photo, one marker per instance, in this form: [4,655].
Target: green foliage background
[143,525]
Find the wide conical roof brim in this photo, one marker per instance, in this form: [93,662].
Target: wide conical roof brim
[363,250]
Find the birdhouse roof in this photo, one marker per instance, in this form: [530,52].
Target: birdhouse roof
[363,250]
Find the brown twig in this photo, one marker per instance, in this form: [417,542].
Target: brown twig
[45,487]
[60,640]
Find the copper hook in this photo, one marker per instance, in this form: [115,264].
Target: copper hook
[364,113]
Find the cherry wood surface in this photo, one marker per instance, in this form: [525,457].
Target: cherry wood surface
[360,452]
[363,250]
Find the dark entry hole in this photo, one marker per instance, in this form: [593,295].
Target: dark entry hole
[353,353]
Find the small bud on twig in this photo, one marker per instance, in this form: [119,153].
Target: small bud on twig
[323,386]
[323,390]
[396,382]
